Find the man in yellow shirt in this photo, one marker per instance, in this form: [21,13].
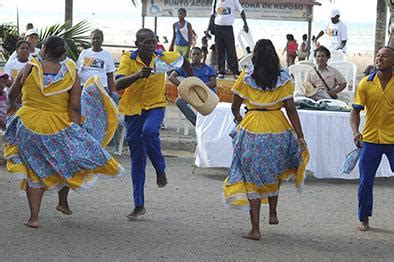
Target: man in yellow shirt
[375,94]
[142,74]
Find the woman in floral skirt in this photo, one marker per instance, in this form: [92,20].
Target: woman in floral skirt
[46,143]
[267,148]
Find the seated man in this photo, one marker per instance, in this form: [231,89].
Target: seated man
[205,72]
[328,80]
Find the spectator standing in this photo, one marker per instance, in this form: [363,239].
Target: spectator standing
[32,37]
[96,61]
[182,35]
[28,27]
[304,49]
[336,31]
[290,49]
[13,66]
[224,34]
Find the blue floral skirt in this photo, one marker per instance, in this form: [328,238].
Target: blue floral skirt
[260,163]
[72,157]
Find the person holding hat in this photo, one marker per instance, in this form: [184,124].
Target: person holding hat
[268,149]
[375,95]
[326,80]
[203,71]
[336,31]
[32,37]
[142,75]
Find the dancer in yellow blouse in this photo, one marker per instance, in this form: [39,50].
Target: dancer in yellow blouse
[267,148]
[45,141]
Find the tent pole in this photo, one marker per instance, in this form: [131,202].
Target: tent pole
[155,25]
[309,32]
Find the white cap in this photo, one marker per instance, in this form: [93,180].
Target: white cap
[32,31]
[334,13]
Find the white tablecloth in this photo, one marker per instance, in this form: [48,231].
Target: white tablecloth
[328,135]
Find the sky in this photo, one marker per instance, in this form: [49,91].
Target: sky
[54,9]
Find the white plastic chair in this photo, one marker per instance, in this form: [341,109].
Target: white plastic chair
[245,40]
[299,72]
[245,61]
[306,62]
[118,149]
[336,55]
[348,71]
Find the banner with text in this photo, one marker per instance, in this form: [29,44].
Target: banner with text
[202,8]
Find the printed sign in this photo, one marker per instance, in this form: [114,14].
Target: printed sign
[202,8]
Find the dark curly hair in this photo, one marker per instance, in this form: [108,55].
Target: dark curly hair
[322,49]
[21,42]
[54,46]
[266,64]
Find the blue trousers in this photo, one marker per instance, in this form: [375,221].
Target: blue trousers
[370,158]
[143,139]
[186,110]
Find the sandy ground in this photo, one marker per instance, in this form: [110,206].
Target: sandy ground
[186,221]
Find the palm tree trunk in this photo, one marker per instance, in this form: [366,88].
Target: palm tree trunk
[390,5]
[380,27]
[68,14]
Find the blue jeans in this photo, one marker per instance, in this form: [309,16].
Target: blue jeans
[371,155]
[143,139]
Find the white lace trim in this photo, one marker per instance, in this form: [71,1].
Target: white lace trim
[261,104]
[86,184]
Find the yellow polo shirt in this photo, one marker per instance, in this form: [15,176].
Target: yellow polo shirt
[379,105]
[147,93]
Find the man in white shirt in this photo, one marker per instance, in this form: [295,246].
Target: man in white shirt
[32,37]
[96,61]
[337,32]
[224,35]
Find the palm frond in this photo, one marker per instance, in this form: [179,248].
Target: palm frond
[9,34]
[76,37]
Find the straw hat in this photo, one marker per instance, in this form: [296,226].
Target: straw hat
[196,93]
[308,89]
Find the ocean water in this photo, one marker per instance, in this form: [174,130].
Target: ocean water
[361,36]
[120,27]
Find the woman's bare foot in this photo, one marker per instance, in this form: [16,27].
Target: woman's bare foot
[64,209]
[252,235]
[273,219]
[363,226]
[32,224]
